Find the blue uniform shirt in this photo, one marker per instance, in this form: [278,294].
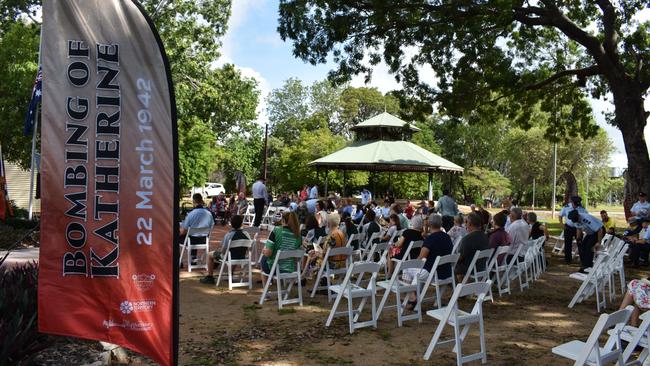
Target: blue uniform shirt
[565,213]
[588,224]
[198,218]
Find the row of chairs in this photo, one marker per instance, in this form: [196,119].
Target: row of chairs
[608,264]
[615,326]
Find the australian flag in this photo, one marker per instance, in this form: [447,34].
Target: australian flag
[33,104]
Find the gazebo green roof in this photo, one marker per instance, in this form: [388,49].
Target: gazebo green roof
[384,120]
[399,156]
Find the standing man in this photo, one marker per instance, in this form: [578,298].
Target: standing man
[569,227]
[313,192]
[199,217]
[447,208]
[260,197]
[366,196]
[589,233]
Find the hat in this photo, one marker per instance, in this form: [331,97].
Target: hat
[576,199]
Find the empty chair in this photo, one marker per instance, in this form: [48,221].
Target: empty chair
[289,278]
[636,337]
[594,281]
[245,263]
[401,289]
[327,271]
[461,321]
[350,291]
[480,267]
[590,352]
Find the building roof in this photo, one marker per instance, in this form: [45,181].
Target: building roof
[384,120]
[383,155]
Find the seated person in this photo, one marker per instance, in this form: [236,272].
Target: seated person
[371,226]
[608,223]
[199,217]
[638,294]
[437,244]
[235,233]
[335,239]
[458,230]
[350,229]
[358,216]
[312,231]
[474,241]
[498,236]
[641,208]
[640,245]
[398,250]
[284,237]
[393,228]
[537,229]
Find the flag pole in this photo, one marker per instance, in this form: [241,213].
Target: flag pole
[30,215]
[31,171]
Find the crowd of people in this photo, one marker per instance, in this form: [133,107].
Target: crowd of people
[314,225]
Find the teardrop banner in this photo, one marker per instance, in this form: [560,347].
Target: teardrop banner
[108,258]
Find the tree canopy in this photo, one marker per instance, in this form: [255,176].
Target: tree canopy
[483,51]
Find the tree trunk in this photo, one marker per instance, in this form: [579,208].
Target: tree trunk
[631,119]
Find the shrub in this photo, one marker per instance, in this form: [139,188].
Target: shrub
[20,223]
[19,336]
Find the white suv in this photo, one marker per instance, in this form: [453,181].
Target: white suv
[209,190]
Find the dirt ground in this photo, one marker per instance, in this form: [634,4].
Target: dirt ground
[218,326]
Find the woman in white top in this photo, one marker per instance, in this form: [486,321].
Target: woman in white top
[321,214]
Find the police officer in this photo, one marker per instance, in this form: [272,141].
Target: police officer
[589,233]
[569,227]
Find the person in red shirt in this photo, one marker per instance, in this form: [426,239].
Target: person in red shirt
[409,210]
[304,193]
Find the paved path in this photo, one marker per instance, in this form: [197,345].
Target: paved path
[18,256]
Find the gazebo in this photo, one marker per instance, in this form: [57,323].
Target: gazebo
[382,144]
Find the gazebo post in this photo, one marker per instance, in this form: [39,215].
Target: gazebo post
[430,185]
[326,194]
[345,182]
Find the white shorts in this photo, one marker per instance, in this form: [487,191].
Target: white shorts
[413,275]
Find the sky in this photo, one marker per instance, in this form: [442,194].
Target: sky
[253,44]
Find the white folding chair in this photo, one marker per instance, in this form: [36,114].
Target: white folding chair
[204,245]
[500,270]
[558,247]
[440,283]
[256,250]
[480,257]
[636,337]
[400,287]
[249,215]
[286,277]
[452,315]
[245,263]
[327,272]
[411,248]
[349,290]
[592,281]
[590,352]
[456,246]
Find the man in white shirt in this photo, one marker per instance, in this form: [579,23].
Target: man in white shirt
[199,217]
[260,196]
[447,208]
[518,229]
[313,192]
[366,196]
[641,208]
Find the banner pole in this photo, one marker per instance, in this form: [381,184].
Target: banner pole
[35,128]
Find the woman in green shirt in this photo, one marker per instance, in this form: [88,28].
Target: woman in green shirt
[285,237]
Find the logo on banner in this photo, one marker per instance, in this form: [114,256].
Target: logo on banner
[128,307]
[143,281]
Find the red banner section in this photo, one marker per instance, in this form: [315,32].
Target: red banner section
[109,178]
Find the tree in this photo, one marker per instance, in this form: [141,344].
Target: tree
[545,50]
[485,183]
[18,59]
[211,101]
